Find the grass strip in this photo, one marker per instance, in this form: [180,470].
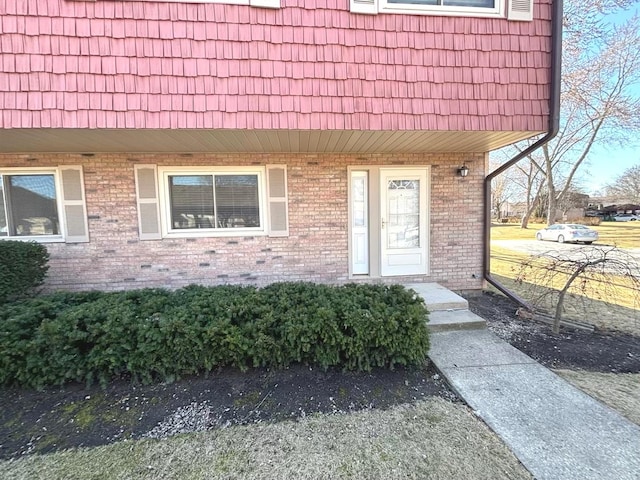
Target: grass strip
[431,439]
[620,234]
[620,391]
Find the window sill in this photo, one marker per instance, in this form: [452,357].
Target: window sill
[36,238]
[252,3]
[221,234]
[408,9]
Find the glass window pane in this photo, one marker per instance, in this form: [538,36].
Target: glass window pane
[30,205]
[449,3]
[417,2]
[237,201]
[4,228]
[403,210]
[358,192]
[470,3]
[191,198]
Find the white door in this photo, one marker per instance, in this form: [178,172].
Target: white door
[403,223]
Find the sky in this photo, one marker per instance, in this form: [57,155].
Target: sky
[605,165]
[607,162]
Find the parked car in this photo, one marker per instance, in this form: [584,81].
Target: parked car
[626,217]
[568,232]
[593,213]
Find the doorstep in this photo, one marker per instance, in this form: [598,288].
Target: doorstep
[447,310]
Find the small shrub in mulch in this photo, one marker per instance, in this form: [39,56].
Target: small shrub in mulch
[156,334]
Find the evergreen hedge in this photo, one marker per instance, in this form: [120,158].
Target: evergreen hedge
[156,334]
[23,267]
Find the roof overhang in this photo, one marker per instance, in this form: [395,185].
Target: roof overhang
[252,141]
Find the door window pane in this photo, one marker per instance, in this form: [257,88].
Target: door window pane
[403,210]
[358,194]
[29,206]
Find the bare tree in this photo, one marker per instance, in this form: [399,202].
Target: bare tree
[533,183]
[598,100]
[523,183]
[504,190]
[601,67]
[592,272]
[627,185]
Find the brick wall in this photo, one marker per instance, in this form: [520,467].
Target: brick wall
[316,249]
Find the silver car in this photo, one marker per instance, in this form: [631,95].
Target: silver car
[625,217]
[568,232]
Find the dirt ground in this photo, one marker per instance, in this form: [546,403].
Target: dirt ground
[600,351]
[39,422]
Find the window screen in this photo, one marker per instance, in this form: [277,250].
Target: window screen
[214,201]
[449,3]
[28,205]
[192,201]
[237,201]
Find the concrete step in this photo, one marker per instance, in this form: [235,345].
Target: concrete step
[438,297]
[447,310]
[443,321]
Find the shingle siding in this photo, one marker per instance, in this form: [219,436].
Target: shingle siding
[308,65]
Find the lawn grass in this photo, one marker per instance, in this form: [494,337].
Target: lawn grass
[606,316]
[431,439]
[614,305]
[620,391]
[620,234]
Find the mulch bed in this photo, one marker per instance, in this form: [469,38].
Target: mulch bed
[75,416]
[40,422]
[573,349]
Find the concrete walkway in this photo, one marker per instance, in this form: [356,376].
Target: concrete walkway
[555,430]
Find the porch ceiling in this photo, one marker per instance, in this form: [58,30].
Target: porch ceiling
[251,141]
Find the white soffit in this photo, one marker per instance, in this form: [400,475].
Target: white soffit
[251,141]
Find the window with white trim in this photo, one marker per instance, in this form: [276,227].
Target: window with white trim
[521,10]
[45,205]
[252,3]
[179,202]
[213,201]
[29,205]
[444,7]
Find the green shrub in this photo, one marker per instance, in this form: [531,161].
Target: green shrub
[593,221]
[156,334]
[23,266]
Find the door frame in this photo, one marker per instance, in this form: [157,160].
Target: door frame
[375,231]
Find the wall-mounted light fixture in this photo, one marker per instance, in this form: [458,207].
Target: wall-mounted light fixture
[463,171]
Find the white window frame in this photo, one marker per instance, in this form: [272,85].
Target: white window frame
[57,179]
[165,202]
[228,2]
[498,11]
[252,3]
